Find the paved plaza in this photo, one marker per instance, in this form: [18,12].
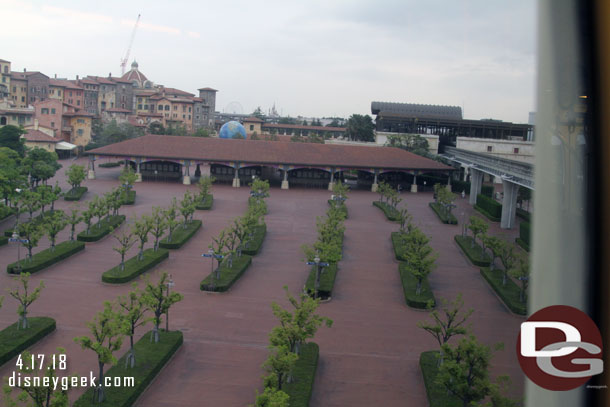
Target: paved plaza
[370,357]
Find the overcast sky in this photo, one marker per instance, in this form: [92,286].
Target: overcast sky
[311,58]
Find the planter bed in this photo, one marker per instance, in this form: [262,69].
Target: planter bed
[509,293]
[343,207]
[438,396]
[409,285]
[105,226]
[390,213]
[449,219]
[206,203]
[524,235]
[486,214]
[251,201]
[327,281]
[475,254]
[181,235]
[489,207]
[135,267]
[150,359]
[128,198]
[395,236]
[228,276]
[46,258]
[304,372]
[75,194]
[253,246]
[13,341]
[523,214]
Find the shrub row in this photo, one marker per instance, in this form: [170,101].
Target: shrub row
[459,186]
[509,293]
[390,212]
[343,207]
[5,212]
[206,203]
[525,215]
[437,395]
[524,235]
[475,254]
[3,240]
[150,357]
[110,165]
[409,286]
[253,246]
[489,207]
[395,237]
[327,280]
[128,198]
[75,194]
[135,267]
[181,235]
[46,258]
[13,340]
[449,219]
[228,275]
[101,229]
[304,372]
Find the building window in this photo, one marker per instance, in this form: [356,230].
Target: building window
[175,107]
[52,110]
[251,127]
[140,106]
[80,121]
[184,116]
[14,89]
[516,150]
[166,107]
[145,107]
[78,103]
[79,132]
[70,94]
[489,149]
[53,124]
[23,98]
[44,111]
[189,117]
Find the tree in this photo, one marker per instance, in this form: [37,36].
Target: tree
[10,136]
[126,241]
[445,198]
[158,302]
[170,218]
[258,113]
[272,397]
[507,257]
[107,330]
[87,215]
[464,372]
[31,233]
[522,273]
[141,229]
[447,322]
[44,193]
[340,190]
[478,227]
[410,142]
[404,218]
[279,365]
[24,298]
[494,244]
[40,164]
[127,178]
[205,186]
[187,207]
[97,206]
[360,128]
[420,256]
[133,312]
[30,200]
[158,225]
[114,201]
[55,195]
[53,224]
[219,249]
[74,219]
[11,177]
[76,175]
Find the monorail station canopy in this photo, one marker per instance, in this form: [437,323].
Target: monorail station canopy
[157,153]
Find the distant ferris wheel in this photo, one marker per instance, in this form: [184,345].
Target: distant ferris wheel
[235,108]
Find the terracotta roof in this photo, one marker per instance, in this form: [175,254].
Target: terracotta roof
[253,119]
[37,135]
[301,127]
[269,152]
[208,89]
[150,114]
[103,81]
[78,113]
[89,81]
[117,110]
[64,84]
[174,91]
[4,60]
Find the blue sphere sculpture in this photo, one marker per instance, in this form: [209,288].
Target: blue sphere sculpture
[232,129]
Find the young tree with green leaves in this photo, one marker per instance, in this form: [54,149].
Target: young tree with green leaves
[272,397]
[141,229]
[134,311]
[74,219]
[114,201]
[279,365]
[126,241]
[99,209]
[55,195]
[507,257]
[405,218]
[219,250]
[187,207]
[53,224]
[205,186]
[107,331]
[30,201]
[127,178]
[87,216]
[76,175]
[494,245]
[31,233]
[171,214]
[445,199]
[158,225]
[522,273]
[44,194]
[478,227]
[25,298]
[420,256]
[156,300]
[340,190]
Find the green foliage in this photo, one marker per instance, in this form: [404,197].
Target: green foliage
[158,301]
[524,235]
[75,174]
[522,273]
[75,194]
[47,257]
[206,203]
[272,397]
[509,293]
[391,213]
[40,164]
[187,207]
[447,218]
[523,214]
[112,132]
[410,283]
[304,372]
[127,197]
[11,175]
[31,233]
[14,340]
[181,235]
[126,241]
[437,395]
[448,321]
[279,365]
[251,246]
[54,224]
[473,251]
[152,357]
[135,266]
[205,186]
[410,142]
[141,230]
[419,255]
[10,137]
[133,311]
[360,128]
[489,207]
[227,275]
[110,164]
[478,227]
[158,225]
[171,214]
[25,297]
[100,229]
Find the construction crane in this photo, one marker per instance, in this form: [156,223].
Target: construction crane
[133,35]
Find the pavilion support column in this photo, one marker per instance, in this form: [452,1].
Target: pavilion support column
[465,174]
[138,173]
[476,182]
[414,184]
[91,172]
[236,183]
[285,180]
[186,178]
[331,184]
[509,204]
[449,183]
[375,185]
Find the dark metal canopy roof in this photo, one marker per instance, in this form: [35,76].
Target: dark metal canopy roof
[417,110]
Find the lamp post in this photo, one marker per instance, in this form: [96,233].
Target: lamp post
[213,256]
[316,262]
[170,284]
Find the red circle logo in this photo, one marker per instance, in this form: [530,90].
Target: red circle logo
[559,348]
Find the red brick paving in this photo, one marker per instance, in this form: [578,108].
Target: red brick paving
[369,356]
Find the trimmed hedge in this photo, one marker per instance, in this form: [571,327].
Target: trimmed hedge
[390,213]
[327,280]
[395,237]
[524,235]
[509,293]
[523,214]
[3,240]
[409,285]
[228,276]
[128,198]
[75,194]
[46,258]
[459,186]
[106,226]
[448,219]
[135,267]
[150,359]
[110,165]
[475,254]
[343,207]
[181,235]
[254,245]
[206,203]
[489,207]
[438,396]
[13,341]
[304,373]
[251,201]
